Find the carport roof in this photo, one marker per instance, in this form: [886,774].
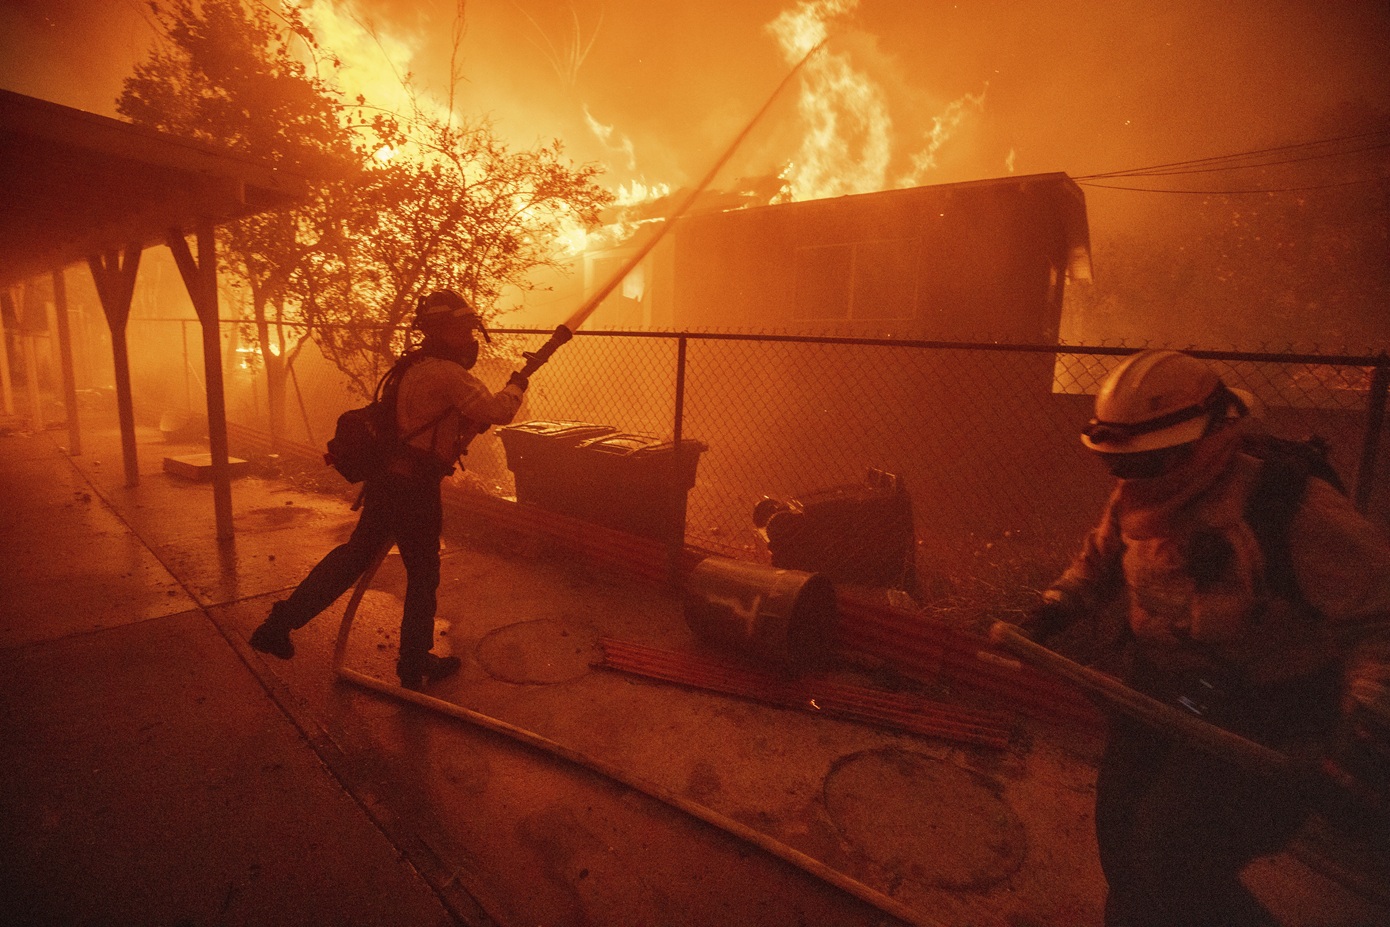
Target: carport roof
[74,184]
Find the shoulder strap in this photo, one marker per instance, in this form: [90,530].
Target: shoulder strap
[390,388]
[1270,510]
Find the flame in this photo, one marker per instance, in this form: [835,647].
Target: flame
[848,145]
[805,26]
[638,192]
[604,133]
[371,63]
[941,130]
[572,240]
[849,134]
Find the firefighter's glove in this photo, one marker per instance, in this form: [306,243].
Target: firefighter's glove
[1047,618]
[517,380]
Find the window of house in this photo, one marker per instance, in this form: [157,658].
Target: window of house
[864,280]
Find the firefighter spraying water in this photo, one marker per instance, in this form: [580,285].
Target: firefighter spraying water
[426,411]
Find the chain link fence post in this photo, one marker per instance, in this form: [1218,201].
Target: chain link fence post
[1375,421]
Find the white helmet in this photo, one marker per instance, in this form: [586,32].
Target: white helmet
[1157,399]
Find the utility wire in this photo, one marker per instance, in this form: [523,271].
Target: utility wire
[1324,186]
[1234,159]
[1262,158]
[1237,167]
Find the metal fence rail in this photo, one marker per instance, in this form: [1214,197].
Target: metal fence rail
[981,439]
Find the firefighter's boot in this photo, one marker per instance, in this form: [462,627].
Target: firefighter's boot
[273,635]
[414,674]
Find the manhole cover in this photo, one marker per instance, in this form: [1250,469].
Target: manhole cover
[541,651]
[924,820]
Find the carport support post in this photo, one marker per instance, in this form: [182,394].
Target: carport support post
[200,277]
[6,390]
[115,282]
[60,311]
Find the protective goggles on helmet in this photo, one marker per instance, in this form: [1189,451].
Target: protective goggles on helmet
[1221,399]
[444,306]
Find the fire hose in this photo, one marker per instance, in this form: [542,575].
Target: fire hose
[1323,792]
[534,360]
[1116,695]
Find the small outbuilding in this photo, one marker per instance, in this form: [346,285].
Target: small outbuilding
[984,260]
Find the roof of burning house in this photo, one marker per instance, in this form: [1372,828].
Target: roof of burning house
[754,197]
[75,184]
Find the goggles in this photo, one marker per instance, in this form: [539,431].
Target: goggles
[1221,398]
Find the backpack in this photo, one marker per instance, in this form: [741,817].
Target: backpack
[1287,465]
[364,439]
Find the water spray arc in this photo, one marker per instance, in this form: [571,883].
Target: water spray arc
[534,361]
[564,332]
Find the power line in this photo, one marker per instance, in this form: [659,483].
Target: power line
[1236,167]
[1324,186]
[1241,160]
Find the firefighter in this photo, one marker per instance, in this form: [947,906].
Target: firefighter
[402,505]
[1279,634]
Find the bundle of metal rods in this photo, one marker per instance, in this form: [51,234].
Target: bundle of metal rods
[643,557]
[893,710]
[924,648]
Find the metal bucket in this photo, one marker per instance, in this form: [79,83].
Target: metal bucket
[786,617]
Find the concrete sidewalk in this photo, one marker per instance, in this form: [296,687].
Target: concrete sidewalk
[145,776]
[155,770]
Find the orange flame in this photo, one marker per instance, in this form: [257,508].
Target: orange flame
[942,128]
[849,141]
[374,63]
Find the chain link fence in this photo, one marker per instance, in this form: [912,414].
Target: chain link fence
[950,471]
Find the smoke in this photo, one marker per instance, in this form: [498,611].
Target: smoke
[908,91]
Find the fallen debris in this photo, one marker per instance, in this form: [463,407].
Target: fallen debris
[893,710]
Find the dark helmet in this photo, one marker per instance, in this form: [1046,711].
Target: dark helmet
[443,306]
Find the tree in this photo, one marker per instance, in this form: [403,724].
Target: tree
[227,74]
[455,208]
[450,207]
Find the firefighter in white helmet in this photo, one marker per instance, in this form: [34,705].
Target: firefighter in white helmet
[1257,597]
[440,406]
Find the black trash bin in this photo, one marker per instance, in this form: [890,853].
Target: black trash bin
[636,483]
[784,617]
[544,459]
[631,482]
[858,534]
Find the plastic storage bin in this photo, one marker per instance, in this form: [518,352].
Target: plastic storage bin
[631,482]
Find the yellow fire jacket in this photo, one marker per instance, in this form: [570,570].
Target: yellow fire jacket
[1196,578]
[434,387]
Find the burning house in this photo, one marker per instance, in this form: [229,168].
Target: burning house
[982,260]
